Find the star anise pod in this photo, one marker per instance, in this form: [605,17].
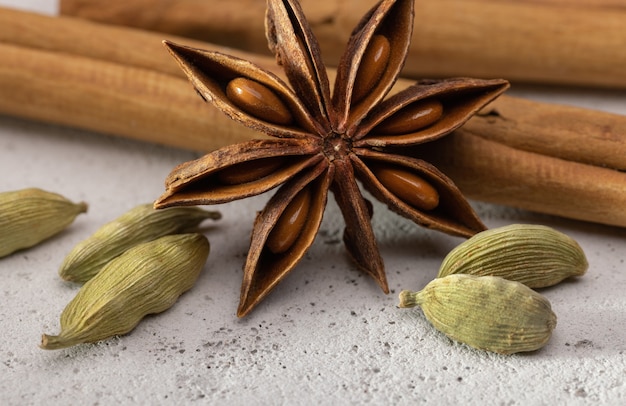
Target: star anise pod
[324,143]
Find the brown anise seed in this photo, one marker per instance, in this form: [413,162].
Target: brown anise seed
[373,65]
[409,187]
[249,171]
[290,224]
[258,101]
[413,117]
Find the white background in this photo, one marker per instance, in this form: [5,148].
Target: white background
[326,335]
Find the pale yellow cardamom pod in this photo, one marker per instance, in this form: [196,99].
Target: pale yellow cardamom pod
[29,216]
[486,312]
[535,255]
[146,279]
[141,224]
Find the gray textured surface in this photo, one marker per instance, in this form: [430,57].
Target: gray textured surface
[325,335]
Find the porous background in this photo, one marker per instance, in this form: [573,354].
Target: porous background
[326,335]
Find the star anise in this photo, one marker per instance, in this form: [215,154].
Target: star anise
[324,143]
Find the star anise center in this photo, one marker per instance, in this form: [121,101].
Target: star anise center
[336,146]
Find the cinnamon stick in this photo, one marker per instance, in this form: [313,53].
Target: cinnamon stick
[238,24]
[493,172]
[110,98]
[539,41]
[606,4]
[127,46]
[570,133]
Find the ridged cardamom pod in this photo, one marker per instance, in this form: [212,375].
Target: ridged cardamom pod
[146,279]
[537,256]
[140,224]
[486,312]
[29,216]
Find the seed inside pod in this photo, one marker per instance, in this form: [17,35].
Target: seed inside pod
[290,223]
[409,187]
[372,67]
[249,171]
[258,100]
[413,117]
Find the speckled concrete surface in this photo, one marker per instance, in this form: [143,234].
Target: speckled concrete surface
[326,335]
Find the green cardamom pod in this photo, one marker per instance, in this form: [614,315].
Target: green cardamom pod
[140,224]
[537,256]
[146,279]
[485,312]
[29,216]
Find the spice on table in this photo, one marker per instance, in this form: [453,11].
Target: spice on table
[565,132]
[30,216]
[324,143]
[146,279]
[535,255]
[485,312]
[140,224]
[490,171]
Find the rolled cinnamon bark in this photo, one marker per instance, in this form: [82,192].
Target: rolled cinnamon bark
[493,172]
[110,98]
[605,4]
[566,132]
[127,46]
[238,24]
